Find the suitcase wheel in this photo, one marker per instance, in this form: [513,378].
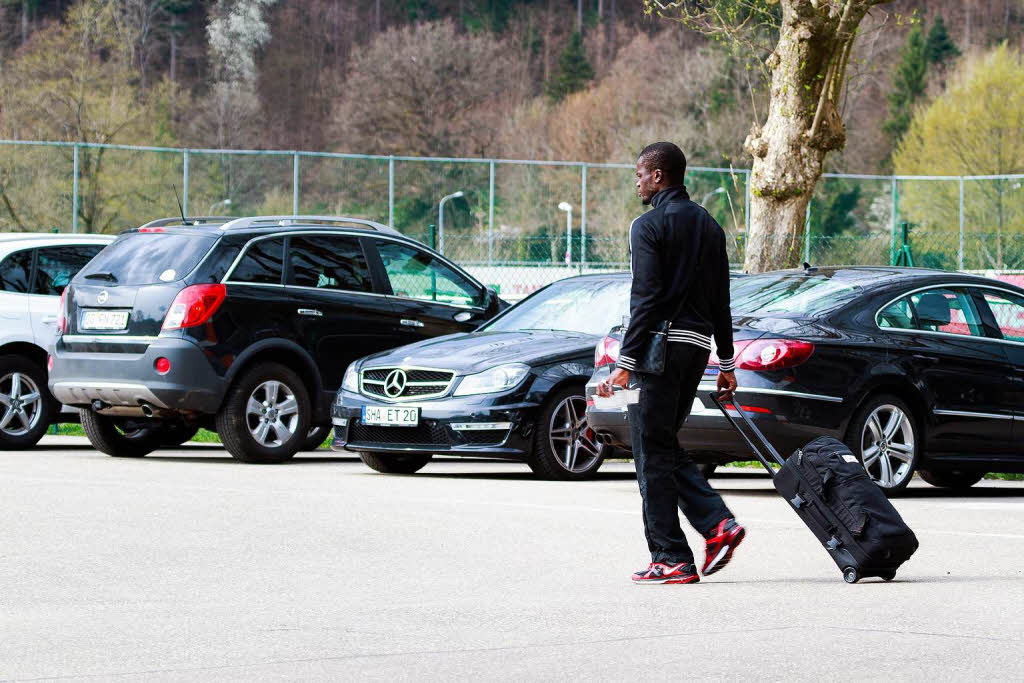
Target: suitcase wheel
[850,575]
[889,576]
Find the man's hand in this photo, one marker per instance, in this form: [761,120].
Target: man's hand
[619,378]
[726,385]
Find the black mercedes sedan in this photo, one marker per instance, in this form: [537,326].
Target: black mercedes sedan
[512,389]
[915,369]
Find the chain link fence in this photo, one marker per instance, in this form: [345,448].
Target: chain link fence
[516,225]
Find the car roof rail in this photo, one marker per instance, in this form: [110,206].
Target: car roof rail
[303,221]
[190,221]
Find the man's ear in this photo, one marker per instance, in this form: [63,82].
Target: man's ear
[657,176]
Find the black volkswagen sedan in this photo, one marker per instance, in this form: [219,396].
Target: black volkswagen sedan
[915,369]
[512,389]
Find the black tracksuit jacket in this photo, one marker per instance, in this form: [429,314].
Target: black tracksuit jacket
[677,255]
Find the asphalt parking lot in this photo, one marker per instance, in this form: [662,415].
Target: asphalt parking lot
[187,565]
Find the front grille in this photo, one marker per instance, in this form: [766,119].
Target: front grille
[428,433]
[484,437]
[418,383]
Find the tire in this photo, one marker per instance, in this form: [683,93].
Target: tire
[400,463]
[246,432]
[26,405]
[707,469]
[878,445]
[951,479]
[317,435]
[177,433]
[850,575]
[122,437]
[562,437]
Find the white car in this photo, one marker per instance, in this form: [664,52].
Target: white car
[34,269]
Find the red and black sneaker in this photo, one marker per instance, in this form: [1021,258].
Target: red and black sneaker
[662,572]
[721,543]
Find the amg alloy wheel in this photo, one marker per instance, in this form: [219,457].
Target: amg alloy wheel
[565,446]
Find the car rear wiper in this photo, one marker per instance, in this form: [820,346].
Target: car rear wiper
[102,275]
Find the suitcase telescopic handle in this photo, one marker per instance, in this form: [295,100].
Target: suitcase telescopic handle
[753,428]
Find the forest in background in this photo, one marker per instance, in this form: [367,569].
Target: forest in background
[590,80]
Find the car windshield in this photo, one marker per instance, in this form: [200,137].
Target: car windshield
[586,306]
[147,258]
[790,294]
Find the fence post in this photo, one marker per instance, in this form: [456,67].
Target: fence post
[184,182]
[74,193]
[490,219]
[295,183]
[583,218]
[960,254]
[807,233]
[391,190]
[895,218]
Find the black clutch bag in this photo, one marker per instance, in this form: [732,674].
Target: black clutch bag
[652,362]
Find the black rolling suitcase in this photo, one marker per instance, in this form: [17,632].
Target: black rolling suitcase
[830,491]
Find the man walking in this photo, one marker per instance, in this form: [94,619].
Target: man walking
[679,263]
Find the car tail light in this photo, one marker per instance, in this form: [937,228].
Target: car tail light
[62,315]
[152,230]
[749,409]
[49,363]
[773,354]
[194,305]
[606,352]
[737,349]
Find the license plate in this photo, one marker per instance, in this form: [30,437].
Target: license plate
[390,416]
[711,371]
[105,320]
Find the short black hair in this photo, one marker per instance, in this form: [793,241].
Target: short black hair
[668,157]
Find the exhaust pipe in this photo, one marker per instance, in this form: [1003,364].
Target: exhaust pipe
[147,410]
[98,405]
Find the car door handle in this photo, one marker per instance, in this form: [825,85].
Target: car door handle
[411,323]
[311,311]
[926,359]
[49,320]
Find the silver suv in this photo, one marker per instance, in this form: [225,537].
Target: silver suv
[34,270]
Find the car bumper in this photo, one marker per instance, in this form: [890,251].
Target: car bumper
[128,384]
[788,419]
[471,426]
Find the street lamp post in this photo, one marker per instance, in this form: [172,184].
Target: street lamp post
[440,218]
[223,202]
[718,190]
[567,207]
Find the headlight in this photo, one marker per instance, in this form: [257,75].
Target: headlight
[496,379]
[351,381]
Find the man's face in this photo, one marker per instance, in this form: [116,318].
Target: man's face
[648,182]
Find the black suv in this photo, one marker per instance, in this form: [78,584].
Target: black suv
[245,326]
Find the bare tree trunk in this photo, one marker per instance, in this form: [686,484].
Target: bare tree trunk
[174,48]
[377,16]
[24,21]
[579,16]
[802,126]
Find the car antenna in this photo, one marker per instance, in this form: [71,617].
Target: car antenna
[808,268]
[180,210]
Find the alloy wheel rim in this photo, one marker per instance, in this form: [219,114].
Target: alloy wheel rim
[570,437]
[272,414]
[887,445]
[21,403]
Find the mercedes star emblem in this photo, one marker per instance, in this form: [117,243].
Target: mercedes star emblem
[102,297]
[394,383]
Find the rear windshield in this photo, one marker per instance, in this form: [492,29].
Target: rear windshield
[790,295]
[147,258]
[586,306]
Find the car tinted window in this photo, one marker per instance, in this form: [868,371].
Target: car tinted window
[141,258]
[55,266]
[416,274]
[328,262]
[589,306]
[15,271]
[946,310]
[898,314]
[790,294]
[1008,310]
[262,263]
